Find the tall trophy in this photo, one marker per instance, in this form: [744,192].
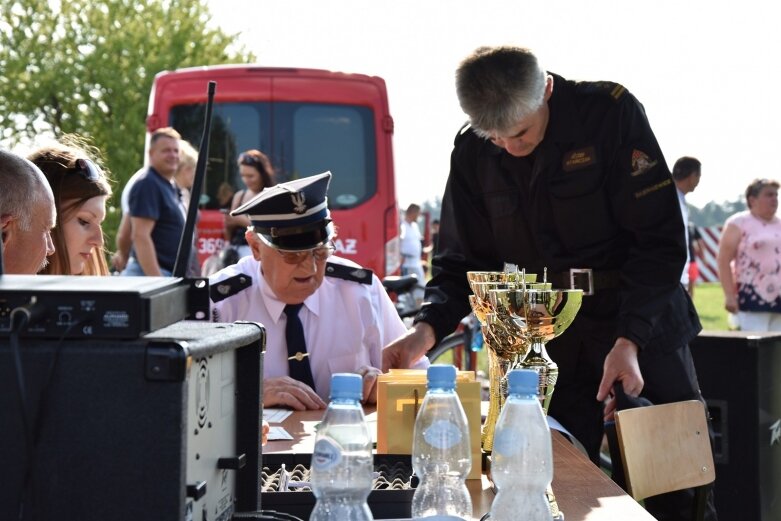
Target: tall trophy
[506,345]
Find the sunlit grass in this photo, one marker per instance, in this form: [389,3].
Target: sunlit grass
[709,301]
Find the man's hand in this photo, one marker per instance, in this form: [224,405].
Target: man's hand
[286,391]
[620,365]
[369,375]
[403,352]
[264,433]
[119,261]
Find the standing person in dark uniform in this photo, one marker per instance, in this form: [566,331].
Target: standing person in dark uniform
[569,176]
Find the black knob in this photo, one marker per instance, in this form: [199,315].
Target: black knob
[234,463]
[196,491]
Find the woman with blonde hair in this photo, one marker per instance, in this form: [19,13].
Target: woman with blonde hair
[80,190]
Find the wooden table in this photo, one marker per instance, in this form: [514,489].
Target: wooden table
[583,491]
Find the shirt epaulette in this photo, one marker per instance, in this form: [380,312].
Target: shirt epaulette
[229,287]
[463,131]
[614,90]
[340,271]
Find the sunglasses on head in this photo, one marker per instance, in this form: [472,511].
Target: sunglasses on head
[246,159]
[88,170]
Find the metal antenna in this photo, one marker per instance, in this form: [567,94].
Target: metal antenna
[186,241]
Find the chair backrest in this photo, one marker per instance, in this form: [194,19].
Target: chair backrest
[665,448]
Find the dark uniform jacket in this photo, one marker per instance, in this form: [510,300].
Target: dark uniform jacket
[596,193]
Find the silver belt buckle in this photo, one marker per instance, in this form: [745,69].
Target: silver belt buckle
[579,273]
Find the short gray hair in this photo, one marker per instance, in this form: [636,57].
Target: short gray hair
[499,86]
[23,186]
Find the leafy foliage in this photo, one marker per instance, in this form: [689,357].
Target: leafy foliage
[714,214]
[87,66]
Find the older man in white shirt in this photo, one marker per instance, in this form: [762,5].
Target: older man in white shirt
[322,314]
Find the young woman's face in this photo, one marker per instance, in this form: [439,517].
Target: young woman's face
[251,177]
[83,233]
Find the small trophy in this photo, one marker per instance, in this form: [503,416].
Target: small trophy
[542,314]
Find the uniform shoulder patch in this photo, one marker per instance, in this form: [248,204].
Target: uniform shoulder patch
[614,90]
[340,271]
[229,287]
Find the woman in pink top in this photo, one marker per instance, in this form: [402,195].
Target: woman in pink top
[750,260]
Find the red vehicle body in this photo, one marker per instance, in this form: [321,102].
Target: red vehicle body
[306,121]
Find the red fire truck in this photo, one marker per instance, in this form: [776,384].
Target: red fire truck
[307,121]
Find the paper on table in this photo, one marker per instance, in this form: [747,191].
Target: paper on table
[276,415]
[371,423]
[276,433]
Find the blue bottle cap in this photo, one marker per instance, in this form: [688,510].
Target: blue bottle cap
[523,381]
[346,386]
[441,376]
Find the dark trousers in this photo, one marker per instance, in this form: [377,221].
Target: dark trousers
[669,376]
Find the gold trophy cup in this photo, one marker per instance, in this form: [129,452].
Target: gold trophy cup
[505,345]
[543,314]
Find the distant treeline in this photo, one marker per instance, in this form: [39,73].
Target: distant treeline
[714,214]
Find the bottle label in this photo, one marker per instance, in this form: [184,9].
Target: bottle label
[442,434]
[327,453]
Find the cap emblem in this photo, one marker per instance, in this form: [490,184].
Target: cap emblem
[298,199]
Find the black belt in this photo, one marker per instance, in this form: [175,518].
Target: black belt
[586,279]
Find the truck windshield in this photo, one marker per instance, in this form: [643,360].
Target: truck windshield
[301,139]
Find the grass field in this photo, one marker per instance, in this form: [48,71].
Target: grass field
[709,301]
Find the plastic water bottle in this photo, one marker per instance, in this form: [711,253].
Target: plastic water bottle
[342,464]
[522,458]
[441,453]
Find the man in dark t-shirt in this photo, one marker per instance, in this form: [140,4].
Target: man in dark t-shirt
[157,215]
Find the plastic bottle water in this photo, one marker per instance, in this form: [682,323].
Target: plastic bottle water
[342,464]
[441,454]
[522,458]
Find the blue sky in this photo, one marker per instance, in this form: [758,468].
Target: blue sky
[704,70]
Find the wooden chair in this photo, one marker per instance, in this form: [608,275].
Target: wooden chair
[665,448]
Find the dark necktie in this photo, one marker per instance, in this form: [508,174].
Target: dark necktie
[298,358]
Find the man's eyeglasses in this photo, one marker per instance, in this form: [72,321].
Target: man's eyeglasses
[320,254]
[88,170]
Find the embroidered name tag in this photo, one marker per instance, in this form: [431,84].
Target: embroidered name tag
[577,159]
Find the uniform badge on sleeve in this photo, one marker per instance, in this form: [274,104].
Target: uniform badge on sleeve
[641,163]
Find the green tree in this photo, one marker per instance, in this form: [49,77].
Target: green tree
[87,66]
[714,214]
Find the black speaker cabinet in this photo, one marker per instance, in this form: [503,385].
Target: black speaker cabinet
[164,427]
[740,378]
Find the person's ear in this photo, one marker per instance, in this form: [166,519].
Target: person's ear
[6,224]
[548,87]
[254,242]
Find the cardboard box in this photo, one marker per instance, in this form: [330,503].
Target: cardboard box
[400,394]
